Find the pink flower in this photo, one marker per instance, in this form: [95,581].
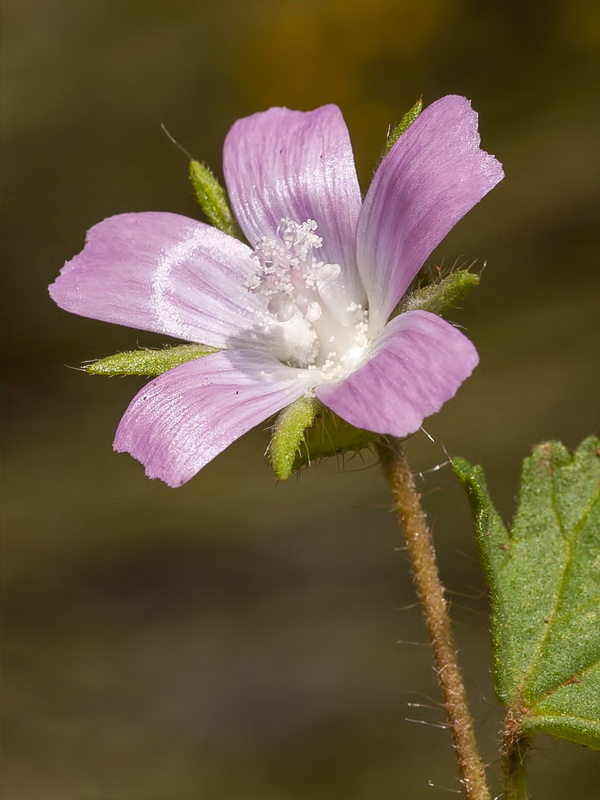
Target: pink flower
[305,309]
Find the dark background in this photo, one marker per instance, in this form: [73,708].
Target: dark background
[237,639]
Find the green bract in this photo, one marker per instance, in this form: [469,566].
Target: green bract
[544,579]
[213,199]
[148,362]
[306,431]
[404,123]
[441,296]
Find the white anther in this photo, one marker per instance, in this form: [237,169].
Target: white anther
[293,281]
[313,311]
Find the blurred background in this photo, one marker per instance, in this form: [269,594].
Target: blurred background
[239,639]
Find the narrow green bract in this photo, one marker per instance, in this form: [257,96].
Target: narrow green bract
[441,296]
[306,431]
[406,121]
[544,579]
[289,432]
[148,362]
[213,199]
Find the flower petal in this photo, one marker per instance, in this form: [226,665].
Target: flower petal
[282,163]
[417,365]
[431,177]
[167,273]
[183,419]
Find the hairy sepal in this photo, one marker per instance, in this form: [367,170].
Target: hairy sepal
[213,199]
[442,295]
[406,121]
[307,431]
[149,363]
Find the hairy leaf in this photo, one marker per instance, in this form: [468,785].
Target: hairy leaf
[544,579]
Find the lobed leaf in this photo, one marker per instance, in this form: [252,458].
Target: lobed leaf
[544,580]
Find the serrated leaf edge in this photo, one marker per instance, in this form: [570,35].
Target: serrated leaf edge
[473,479]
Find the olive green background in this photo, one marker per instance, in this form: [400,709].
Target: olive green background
[237,639]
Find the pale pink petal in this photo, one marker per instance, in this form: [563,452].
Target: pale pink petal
[183,419]
[431,177]
[415,367]
[167,273]
[298,164]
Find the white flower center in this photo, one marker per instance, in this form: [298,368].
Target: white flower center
[290,274]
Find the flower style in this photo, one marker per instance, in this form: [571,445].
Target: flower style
[306,308]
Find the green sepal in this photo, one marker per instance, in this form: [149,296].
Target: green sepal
[289,434]
[213,199]
[544,580]
[406,121]
[148,362]
[441,296]
[306,431]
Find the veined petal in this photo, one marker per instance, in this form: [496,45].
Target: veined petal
[417,364]
[167,273]
[431,177]
[183,419]
[298,164]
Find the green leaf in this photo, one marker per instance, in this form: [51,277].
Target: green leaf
[213,199]
[441,296]
[306,431]
[406,121]
[544,580]
[148,362]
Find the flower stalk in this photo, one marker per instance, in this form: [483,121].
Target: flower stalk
[407,502]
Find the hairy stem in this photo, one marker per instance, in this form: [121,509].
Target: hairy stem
[514,753]
[431,594]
